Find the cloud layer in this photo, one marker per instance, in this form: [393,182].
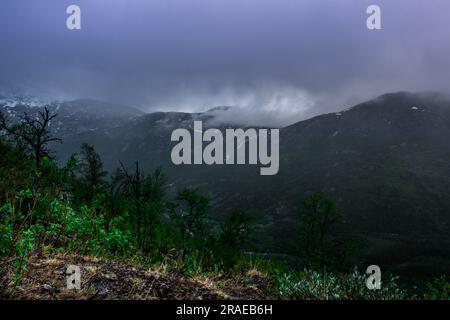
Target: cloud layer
[279,60]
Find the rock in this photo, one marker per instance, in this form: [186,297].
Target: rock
[103,292]
[47,287]
[90,268]
[110,276]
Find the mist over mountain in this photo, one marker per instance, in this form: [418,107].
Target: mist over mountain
[311,148]
[385,162]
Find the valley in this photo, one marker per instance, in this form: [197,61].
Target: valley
[385,162]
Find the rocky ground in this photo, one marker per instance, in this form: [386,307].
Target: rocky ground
[45,278]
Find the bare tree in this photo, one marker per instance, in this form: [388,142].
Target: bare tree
[33,133]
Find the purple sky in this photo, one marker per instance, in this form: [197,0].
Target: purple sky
[291,58]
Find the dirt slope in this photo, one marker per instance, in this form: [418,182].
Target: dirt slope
[45,278]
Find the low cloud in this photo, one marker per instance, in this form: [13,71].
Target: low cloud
[275,61]
[268,105]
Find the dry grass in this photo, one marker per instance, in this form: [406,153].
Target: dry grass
[45,278]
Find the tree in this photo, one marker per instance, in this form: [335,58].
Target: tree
[234,235]
[133,188]
[235,230]
[318,214]
[92,172]
[321,244]
[15,168]
[193,212]
[33,133]
[154,204]
[146,195]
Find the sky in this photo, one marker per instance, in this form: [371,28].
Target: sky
[277,61]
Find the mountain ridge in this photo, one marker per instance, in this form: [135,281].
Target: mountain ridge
[384,161]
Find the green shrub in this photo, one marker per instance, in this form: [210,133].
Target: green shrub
[311,284]
[6,229]
[438,289]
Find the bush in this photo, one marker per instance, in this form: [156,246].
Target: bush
[438,289]
[311,284]
[6,229]
[85,232]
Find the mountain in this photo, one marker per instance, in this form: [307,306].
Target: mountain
[74,117]
[385,162]
[144,138]
[11,97]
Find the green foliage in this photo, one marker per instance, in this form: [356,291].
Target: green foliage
[23,247]
[193,210]
[73,208]
[200,261]
[311,284]
[84,231]
[438,289]
[6,229]
[190,217]
[318,214]
[320,246]
[91,175]
[143,197]
[235,231]
[234,234]
[15,168]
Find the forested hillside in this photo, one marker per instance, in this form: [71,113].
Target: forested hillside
[117,227]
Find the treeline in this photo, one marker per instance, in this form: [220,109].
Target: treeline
[46,207]
[77,207]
